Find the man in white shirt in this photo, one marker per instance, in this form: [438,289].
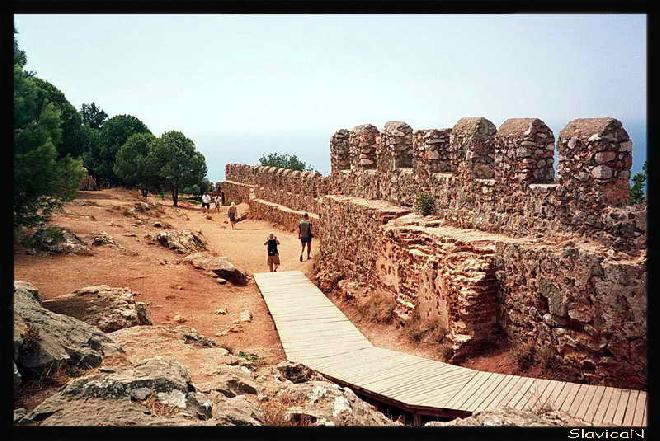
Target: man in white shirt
[206,202]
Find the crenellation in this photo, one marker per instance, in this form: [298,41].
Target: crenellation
[362,143]
[524,152]
[340,156]
[595,156]
[473,140]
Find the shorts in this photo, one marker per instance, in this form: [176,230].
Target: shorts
[205,205]
[232,217]
[304,240]
[275,260]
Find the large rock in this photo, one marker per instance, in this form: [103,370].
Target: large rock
[232,381]
[316,402]
[512,417]
[53,239]
[159,384]
[45,341]
[106,307]
[181,241]
[220,266]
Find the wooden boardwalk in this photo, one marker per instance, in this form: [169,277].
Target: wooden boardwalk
[316,333]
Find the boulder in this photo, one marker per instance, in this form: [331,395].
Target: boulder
[57,240]
[231,381]
[295,372]
[238,411]
[45,341]
[219,266]
[106,307]
[181,241]
[159,384]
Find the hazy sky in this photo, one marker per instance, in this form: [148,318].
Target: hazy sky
[244,85]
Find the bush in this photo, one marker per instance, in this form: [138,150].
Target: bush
[425,204]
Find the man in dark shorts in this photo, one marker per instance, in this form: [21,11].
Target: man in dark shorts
[273,253]
[305,235]
[232,214]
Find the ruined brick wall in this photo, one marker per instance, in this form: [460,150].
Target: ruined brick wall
[552,258]
[581,306]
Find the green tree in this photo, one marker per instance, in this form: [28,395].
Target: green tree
[113,134]
[638,189]
[177,164]
[42,178]
[71,141]
[283,160]
[92,115]
[131,162]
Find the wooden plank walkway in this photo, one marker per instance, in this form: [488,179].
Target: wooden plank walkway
[316,333]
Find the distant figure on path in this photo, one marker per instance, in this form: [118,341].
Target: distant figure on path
[206,202]
[273,253]
[216,200]
[232,214]
[305,235]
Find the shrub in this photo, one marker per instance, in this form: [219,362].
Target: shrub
[425,204]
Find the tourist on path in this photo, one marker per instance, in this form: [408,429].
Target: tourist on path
[206,202]
[232,214]
[273,253]
[216,200]
[305,235]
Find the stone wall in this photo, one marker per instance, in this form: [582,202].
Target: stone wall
[279,214]
[552,259]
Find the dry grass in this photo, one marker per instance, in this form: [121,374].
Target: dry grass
[525,356]
[276,408]
[377,306]
[157,408]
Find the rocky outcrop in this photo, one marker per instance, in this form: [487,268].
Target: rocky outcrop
[183,241]
[106,307]
[314,401]
[45,342]
[220,266]
[512,417]
[159,384]
[56,240]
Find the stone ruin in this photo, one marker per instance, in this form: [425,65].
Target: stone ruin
[552,260]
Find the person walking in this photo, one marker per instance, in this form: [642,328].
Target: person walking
[206,202]
[216,200]
[273,253]
[232,214]
[305,235]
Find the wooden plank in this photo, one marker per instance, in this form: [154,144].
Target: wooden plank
[640,407]
[501,388]
[582,399]
[522,390]
[533,395]
[568,396]
[595,403]
[621,408]
[426,383]
[466,391]
[608,419]
[630,408]
[602,406]
[506,393]
[487,388]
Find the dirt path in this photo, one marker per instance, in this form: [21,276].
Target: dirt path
[169,285]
